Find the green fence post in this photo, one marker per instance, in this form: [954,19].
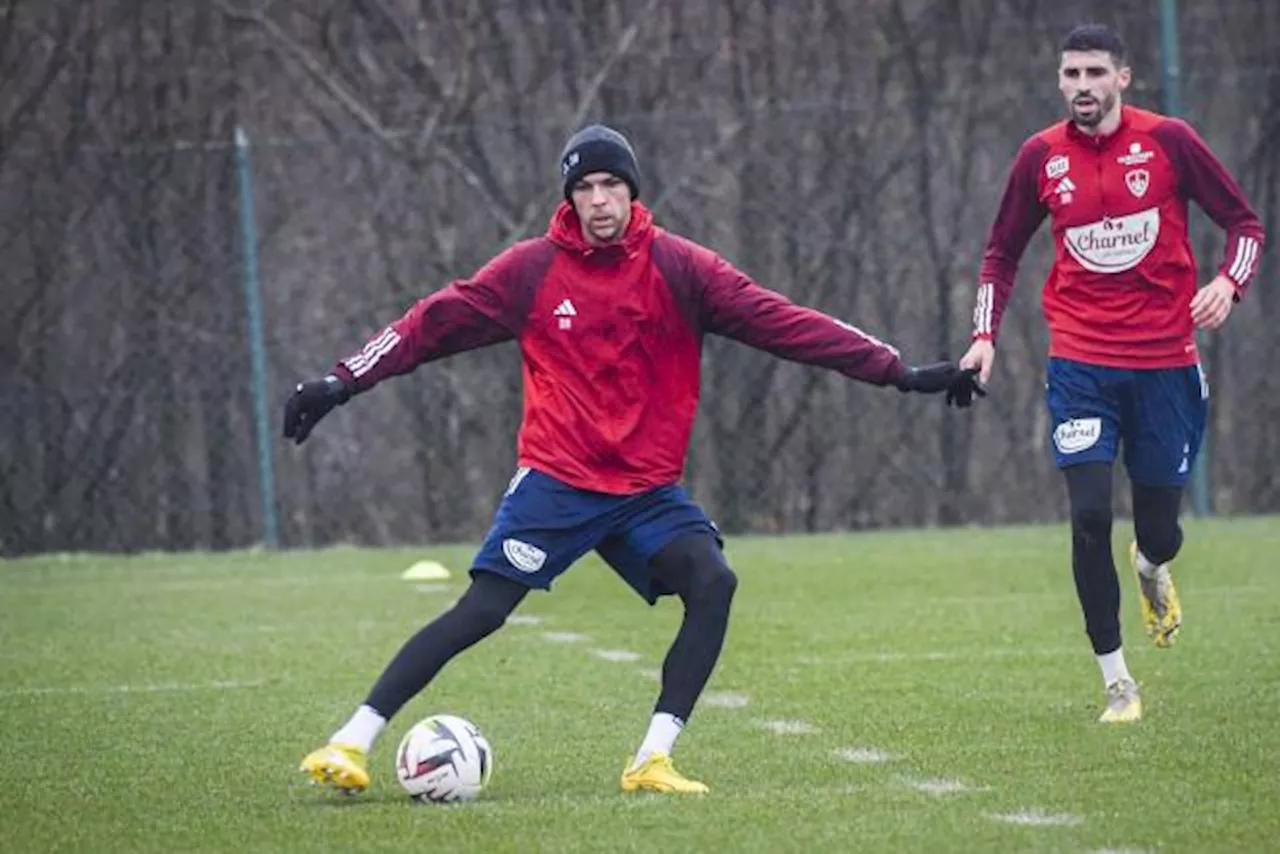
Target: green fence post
[1201,495]
[257,346]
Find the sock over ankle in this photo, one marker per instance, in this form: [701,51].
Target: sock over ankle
[1113,667]
[1146,568]
[362,730]
[664,729]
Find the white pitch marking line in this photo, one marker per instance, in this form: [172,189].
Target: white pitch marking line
[864,754]
[563,637]
[938,787]
[524,620]
[789,727]
[160,688]
[936,655]
[1037,818]
[651,673]
[726,700]
[621,656]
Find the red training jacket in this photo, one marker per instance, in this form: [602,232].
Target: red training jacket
[1123,276]
[611,339]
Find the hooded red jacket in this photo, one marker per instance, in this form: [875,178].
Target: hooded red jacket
[1119,293]
[611,338]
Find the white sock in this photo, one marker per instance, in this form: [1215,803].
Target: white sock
[664,729]
[362,730]
[1113,667]
[1146,568]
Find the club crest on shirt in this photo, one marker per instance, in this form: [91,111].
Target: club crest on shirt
[1137,180]
[1057,166]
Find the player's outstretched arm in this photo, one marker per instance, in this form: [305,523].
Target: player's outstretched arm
[736,307]
[487,309]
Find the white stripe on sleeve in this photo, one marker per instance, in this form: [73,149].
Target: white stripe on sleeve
[362,362]
[1246,255]
[984,308]
[868,337]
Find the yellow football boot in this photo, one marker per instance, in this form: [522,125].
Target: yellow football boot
[1124,705]
[1158,600]
[657,774]
[343,766]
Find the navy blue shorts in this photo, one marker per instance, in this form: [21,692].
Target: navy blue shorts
[543,526]
[1156,416]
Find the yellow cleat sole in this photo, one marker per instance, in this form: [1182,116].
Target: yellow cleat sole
[335,768]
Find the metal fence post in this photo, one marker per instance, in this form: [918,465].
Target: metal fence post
[1201,495]
[257,347]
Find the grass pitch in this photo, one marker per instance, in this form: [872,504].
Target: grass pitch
[162,703]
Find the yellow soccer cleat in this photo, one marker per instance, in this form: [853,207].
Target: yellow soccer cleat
[657,774]
[1124,705]
[1158,600]
[343,766]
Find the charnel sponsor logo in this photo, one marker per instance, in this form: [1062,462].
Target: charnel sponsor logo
[1075,435]
[1114,245]
[523,556]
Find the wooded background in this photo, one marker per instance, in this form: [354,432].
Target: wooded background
[849,154]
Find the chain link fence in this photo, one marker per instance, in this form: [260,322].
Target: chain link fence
[163,287]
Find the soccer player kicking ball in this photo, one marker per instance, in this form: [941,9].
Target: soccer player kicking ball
[1122,306]
[609,311]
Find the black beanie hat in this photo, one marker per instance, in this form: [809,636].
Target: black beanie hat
[597,148]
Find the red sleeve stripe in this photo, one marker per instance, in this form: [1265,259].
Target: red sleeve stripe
[1246,257]
[983,309]
[362,362]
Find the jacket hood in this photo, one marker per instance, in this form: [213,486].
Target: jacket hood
[565,231]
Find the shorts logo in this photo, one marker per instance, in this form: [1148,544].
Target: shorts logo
[1074,436]
[523,556]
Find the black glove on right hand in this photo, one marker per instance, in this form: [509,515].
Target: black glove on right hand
[310,402]
[959,384]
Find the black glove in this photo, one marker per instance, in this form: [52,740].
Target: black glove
[960,384]
[310,402]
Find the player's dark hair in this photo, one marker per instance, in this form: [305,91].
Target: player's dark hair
[1087,37]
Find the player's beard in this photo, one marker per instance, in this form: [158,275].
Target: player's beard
[1101,108]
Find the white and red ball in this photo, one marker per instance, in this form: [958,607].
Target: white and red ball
[444,758]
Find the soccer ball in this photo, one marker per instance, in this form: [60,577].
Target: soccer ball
[444,758]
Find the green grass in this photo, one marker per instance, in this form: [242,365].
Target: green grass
[161,703]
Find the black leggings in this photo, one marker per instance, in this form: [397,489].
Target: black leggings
[481,611]
[1159,536]
[692,567]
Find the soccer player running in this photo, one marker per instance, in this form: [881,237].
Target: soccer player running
[1123,307]
[609,311]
